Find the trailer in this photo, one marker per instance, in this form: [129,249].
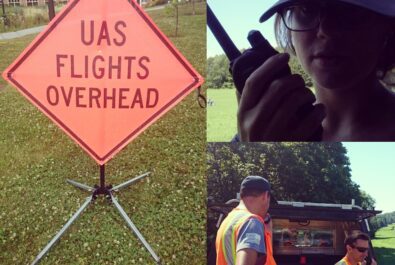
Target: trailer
[305,232]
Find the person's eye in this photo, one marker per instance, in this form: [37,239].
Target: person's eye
[306,10]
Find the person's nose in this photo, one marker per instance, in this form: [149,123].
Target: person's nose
[327,25]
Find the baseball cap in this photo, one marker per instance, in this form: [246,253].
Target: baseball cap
[257,183]
[383,7]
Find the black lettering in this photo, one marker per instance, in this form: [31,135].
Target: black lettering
[95,97]
[52,101]
[58,63]
[143,76]
[79,96]
[95,68]
[138,99]
[92,29]
[118,30]
[107,97]
[129,59]
[122,97]
[67,97]
[104,34]
[111,66]
[152,100]
[73,74]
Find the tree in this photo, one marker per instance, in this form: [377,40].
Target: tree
[218,75]
[173,8]
[314,172]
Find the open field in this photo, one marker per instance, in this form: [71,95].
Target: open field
[384,245]
[221,115]
[169,208]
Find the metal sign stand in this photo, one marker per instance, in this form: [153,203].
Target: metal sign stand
[108,192]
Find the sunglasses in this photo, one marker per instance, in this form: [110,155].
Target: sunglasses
[361,249]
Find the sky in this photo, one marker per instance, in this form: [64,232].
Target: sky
[373,168]
[238,18]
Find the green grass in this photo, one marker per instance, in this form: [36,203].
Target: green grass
[221,115]
[384,245]
[36,158]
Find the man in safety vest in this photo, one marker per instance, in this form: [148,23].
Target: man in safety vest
[357,247]
[243,237]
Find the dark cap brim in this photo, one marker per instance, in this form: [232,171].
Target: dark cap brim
[383,7]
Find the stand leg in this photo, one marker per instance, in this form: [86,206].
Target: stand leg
[134,229]
[61,232]
[129,182]
[80,185]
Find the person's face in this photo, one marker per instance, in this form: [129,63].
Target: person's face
[341,53]
[360,250]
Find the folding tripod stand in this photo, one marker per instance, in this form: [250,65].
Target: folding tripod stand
[108,192]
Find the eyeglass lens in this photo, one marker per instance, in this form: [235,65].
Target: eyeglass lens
[307,15]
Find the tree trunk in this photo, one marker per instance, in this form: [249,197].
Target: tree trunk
[176,19]
[51,10]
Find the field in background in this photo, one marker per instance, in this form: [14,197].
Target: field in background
[221,115]
[384,245]
[169,208]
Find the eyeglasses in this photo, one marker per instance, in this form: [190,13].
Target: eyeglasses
[361,249]
[307,15]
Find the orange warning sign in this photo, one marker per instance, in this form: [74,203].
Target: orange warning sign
[103,72]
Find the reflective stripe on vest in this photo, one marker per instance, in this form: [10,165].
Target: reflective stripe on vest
[227,235]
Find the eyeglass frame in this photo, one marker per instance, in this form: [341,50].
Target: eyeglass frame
[281,13]
[361,249]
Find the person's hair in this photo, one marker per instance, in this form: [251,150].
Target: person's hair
[251,192]
[351,239]
[386,61]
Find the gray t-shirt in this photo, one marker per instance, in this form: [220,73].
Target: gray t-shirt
[251,235]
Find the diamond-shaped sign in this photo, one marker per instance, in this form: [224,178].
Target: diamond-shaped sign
[103,72]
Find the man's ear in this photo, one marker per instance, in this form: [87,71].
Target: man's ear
[348,248]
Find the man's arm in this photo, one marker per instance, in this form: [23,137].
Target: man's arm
[249,256]
[246,257]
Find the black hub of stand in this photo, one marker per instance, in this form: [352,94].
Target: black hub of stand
[107,191]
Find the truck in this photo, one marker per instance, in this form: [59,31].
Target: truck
[303,232]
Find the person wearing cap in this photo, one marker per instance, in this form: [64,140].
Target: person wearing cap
[346,47]
[357,247]
[243,238]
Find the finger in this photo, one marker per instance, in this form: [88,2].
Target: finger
[270,103]
[277,93]
[308,126]
[280,127]
[255,84]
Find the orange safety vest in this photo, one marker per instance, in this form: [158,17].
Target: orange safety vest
[269,247]
[228,233]
[345,261]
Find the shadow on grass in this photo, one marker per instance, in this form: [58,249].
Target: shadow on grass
[385,256]
[383,237]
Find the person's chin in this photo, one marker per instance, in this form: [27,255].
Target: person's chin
[329,81]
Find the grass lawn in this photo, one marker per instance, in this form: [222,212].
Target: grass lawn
[221,115]
[169,208]
[384,245]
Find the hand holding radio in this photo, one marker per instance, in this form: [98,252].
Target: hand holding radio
[274,105]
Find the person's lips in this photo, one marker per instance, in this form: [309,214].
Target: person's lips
[327,59]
